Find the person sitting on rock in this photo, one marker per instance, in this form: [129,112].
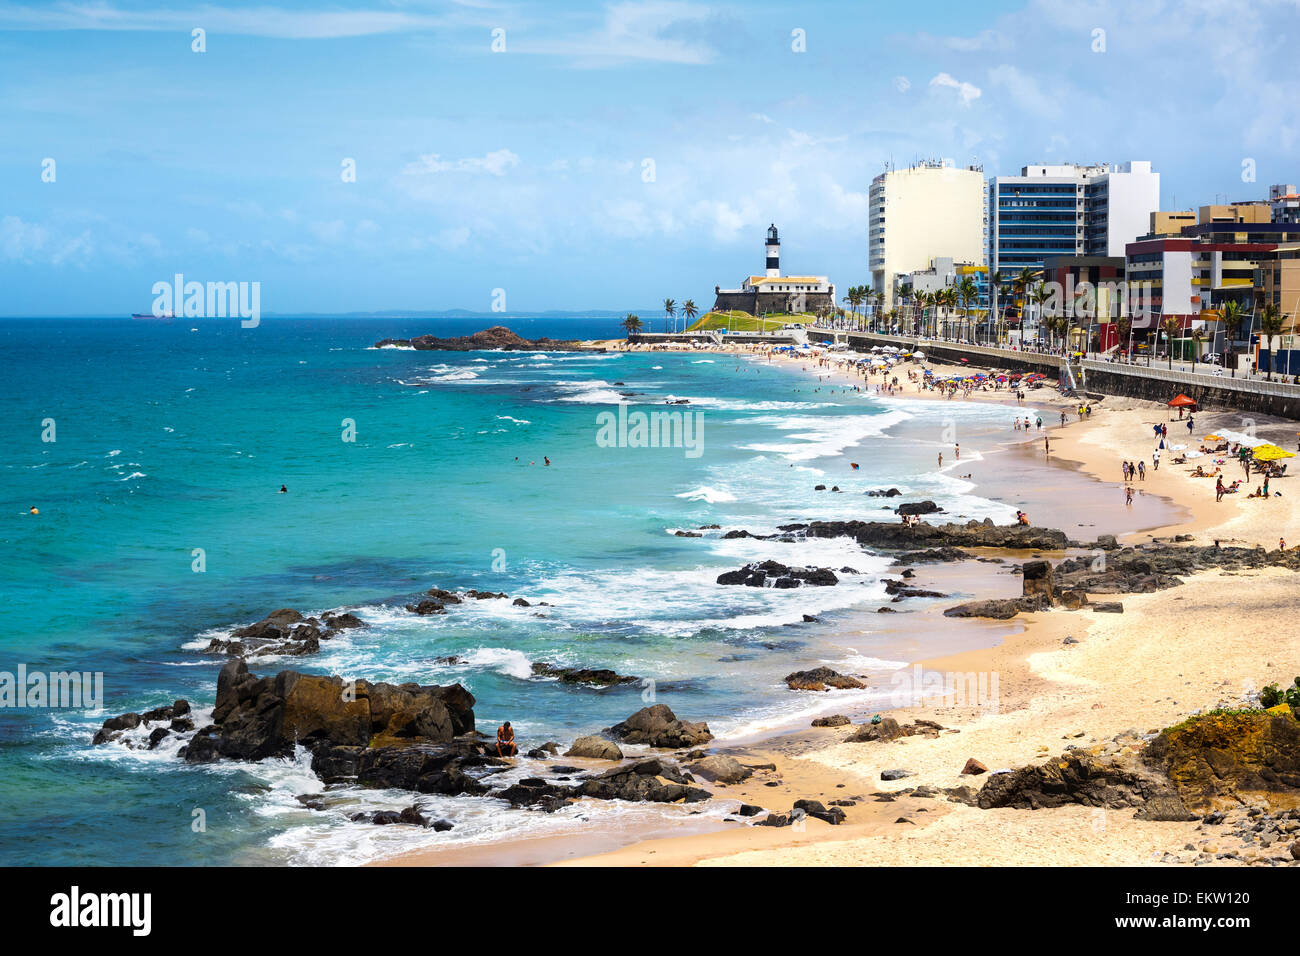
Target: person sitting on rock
[506,741]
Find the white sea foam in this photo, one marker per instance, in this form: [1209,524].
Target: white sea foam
[708,495]
[820,437]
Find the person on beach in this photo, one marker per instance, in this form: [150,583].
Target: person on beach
[1046,448]
[1155,459]
[506,741]
[1124,468]
[1266,486]
[957,449]
[940,459]
[1218,489]
[1040,422]
[1142,470]
[1128,495]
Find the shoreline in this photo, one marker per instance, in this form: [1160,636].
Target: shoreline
[810,763]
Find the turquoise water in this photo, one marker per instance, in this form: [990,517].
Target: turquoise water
[173,437]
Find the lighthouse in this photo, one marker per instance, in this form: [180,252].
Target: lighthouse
[773,249]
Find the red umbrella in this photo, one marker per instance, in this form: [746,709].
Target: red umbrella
[1182,401]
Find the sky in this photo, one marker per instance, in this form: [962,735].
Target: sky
[567,156]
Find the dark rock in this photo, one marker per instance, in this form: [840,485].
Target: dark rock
[917,508]
[821,678]
[582,675]
[426,607]
[835,720]
[595,748]
[658,726]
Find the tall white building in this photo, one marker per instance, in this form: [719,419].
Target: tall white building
[1068,210]
[928,211]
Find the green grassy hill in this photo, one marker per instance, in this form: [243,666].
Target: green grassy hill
[744,322]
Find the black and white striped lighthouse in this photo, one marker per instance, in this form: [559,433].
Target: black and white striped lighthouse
[773,252]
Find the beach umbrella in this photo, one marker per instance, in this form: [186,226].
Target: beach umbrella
[1271,453]
[1212,438]
[1182,401]
[1250,441]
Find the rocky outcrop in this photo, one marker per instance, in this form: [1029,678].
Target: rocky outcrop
[720,768]
[1220,760]
[1078,777]
[594,747]
[835,720]
[777,575]
[258,717]
[895,536]
[917,508]
[283,633]
[653,780]
[821,678]
[658,726]
[175,716]
[999,609]
[887,728]
[497,337]
[598,677]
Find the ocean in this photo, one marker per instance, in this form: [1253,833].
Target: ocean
[161,525]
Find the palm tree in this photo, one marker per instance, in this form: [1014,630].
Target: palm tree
[996,282]
[1233,315]
[1123,326]
[632,324]
[689,310]
[1170,325]
[1022,284]
[867,296]
[1039,295]
[670,313]
[904,297]
[967,293]
[1270,325]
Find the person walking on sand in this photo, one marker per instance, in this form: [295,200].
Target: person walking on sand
[1046,448]
[1155,460]
[1218,489]
[1128,495]
[957,448]
[1124,469]
[1142,470]
[940,459]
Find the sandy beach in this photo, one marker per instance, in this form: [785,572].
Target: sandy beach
[1064,679]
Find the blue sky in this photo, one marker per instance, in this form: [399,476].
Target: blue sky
[524,169]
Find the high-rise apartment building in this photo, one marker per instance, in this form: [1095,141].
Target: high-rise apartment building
[928,211]
[1068,210]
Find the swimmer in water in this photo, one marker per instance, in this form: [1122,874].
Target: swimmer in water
[33,510]
[283,490]
[547,460]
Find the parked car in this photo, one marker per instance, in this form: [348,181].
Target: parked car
[1212,358]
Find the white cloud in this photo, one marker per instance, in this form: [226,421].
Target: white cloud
[902,84]
[251,21]
[664,31]
[494,163]
[967,93]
